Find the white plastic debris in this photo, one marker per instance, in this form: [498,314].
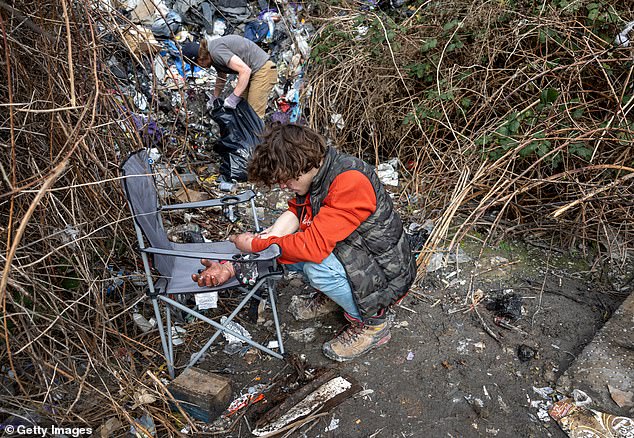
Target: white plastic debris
[436,262]
[544,392]
[177,331]
[234,326]
[388,172]
[272,345]
[208,300]
[623,39]
[334,424]
[581,398]
[140,101]
[143,323]
[337,120]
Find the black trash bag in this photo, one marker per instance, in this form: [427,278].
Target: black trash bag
[239,134]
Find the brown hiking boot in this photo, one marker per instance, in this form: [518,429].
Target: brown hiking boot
[304,309]
[357,339]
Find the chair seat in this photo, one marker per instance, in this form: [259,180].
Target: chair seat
[184,267]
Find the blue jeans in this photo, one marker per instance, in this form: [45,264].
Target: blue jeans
[330,277]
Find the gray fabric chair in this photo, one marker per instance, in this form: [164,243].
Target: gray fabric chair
[175,262]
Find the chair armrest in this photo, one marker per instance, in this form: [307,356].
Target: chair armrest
[219,202]
[270,253]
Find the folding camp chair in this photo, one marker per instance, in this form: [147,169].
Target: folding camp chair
[175,262]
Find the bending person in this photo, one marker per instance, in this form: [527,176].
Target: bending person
[233,54]
[341,231]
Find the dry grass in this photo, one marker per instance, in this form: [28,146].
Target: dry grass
[434,88]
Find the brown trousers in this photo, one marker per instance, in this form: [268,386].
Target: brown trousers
[260,85]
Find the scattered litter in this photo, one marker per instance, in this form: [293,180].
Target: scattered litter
[410,355]
[585,422]
[337,120]
[364,393]
[253,395]
[623,39]
[147,423]
[208,300]
[507,306]
[436,262]
[388,172]
[526,353]
[272,345]
[545,392]
[581,398]
[419,233]
[334,424]
[177,331]
[143,323]
[234,344]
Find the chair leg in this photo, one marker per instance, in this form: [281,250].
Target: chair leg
[253,306]
[170,341]
[271,289]
[166,350]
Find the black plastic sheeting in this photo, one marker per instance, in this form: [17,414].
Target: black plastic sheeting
[239,134]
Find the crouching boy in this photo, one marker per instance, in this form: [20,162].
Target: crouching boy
[340,230]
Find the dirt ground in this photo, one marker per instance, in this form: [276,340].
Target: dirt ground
[443,373]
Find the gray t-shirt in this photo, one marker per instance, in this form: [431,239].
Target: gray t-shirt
[223,48]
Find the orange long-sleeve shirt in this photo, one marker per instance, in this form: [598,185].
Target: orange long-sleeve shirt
[349,202]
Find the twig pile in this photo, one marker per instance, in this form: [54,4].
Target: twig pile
[67,355]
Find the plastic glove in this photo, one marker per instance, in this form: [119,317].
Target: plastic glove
[232,101]
[214,274]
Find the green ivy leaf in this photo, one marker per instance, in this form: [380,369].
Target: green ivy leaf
[548,95]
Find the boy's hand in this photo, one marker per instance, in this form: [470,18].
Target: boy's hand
[265,233]
[242,241]
[214,274]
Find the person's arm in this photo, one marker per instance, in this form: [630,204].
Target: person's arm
[350,201]
[221,80]
[244,74]
[287,223]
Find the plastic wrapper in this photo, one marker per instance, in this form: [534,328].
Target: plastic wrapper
[579,421]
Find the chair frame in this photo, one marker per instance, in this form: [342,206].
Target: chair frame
[158,292]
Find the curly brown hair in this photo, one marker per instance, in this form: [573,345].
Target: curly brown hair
[286,152]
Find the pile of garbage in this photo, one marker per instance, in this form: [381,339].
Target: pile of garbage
[166,100]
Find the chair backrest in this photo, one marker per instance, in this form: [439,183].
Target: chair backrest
[140,190]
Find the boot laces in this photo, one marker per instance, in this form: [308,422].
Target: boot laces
[350,333]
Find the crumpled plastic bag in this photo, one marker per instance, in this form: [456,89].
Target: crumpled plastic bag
[165,26]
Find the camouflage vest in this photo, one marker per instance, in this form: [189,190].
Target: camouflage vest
[376,256]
